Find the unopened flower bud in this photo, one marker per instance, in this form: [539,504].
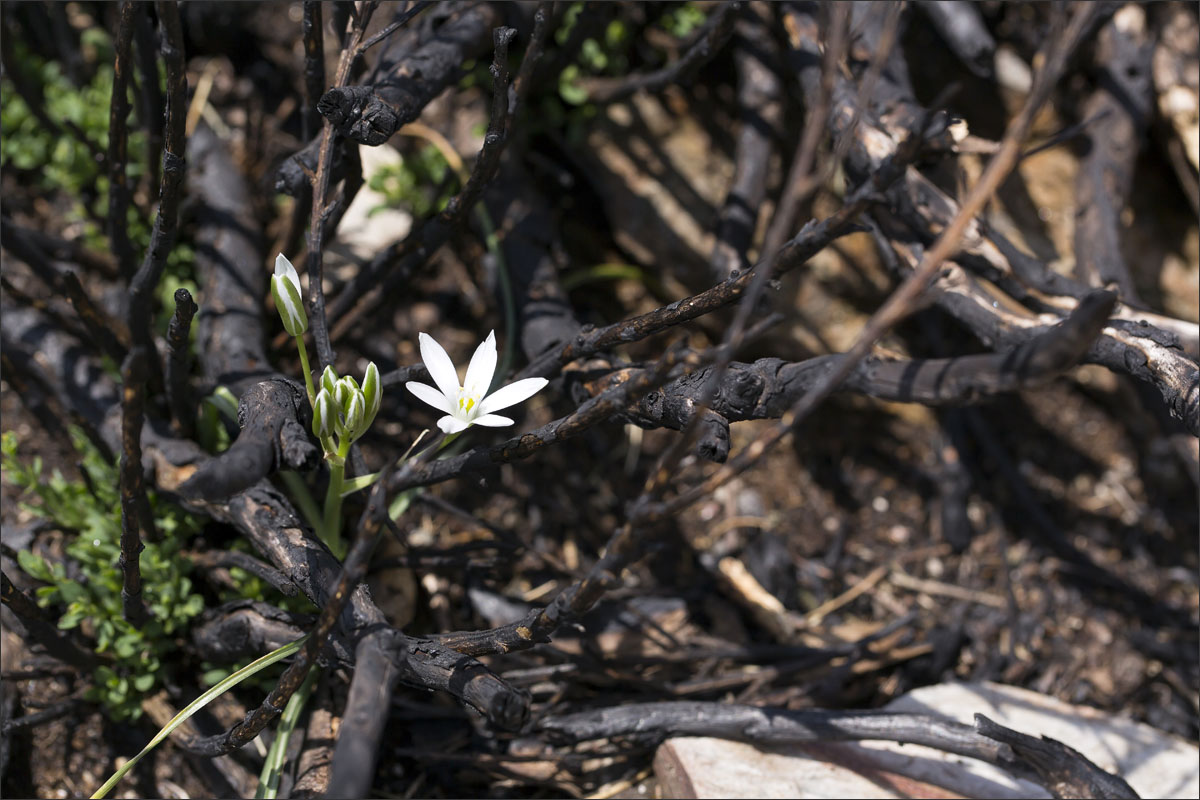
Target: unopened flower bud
[285,288]
[324,415]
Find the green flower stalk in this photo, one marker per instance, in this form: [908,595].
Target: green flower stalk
[342,412]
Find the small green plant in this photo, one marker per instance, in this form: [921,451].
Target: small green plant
[419,183]
[91,514]
[61,163]
[603,55]
[681,20]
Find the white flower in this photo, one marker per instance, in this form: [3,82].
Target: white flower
[466,404]
[285,286]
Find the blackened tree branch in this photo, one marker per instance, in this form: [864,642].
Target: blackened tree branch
[274,417]
[136,519]
[118,188]
[317,319]
[1120,107]
[370,285]
[769,386]
[410,78]
[760,111]
[110,335]
[246,629]
[1063,771]
[162,235]
[210,559]
[150,98]
[961,25]
[56,642]
[228,268]
[354,569]
[314,68]
[179,398]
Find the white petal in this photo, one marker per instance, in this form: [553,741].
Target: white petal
[452,425]
[483,366]
[492,421]
[440,367]
[512,394]
[290,305]
[284,269]
[431,395]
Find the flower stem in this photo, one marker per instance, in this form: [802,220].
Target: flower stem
[308,384]
[333,499]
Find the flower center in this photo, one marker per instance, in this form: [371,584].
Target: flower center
[466,403]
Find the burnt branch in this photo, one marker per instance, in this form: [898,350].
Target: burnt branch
[1063,771]
[56,642]
[109,335]
[494,140]
[212,559]
[150,97]
[376,674]
[179,398]
[760,109]
[314,68]
[1120,108]
[322,209]
[1140,349]
[370,285]
[162,235]
[136,520]
[118,188]
[228,269]
[274,417]
[246,629]
[409,79]
[768,387]
[960,24]
[353,571]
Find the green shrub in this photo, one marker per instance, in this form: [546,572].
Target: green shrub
[91,515]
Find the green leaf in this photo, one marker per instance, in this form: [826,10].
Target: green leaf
[34,565]
[359,483]
[568,87]
[71,619]
[125,646]
[197,704]
[142,683]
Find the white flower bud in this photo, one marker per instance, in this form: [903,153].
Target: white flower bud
[355,415]
[329,380]
[285,288]
[324,415]
[372,389]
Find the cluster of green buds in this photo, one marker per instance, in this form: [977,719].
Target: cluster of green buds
[343,410]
